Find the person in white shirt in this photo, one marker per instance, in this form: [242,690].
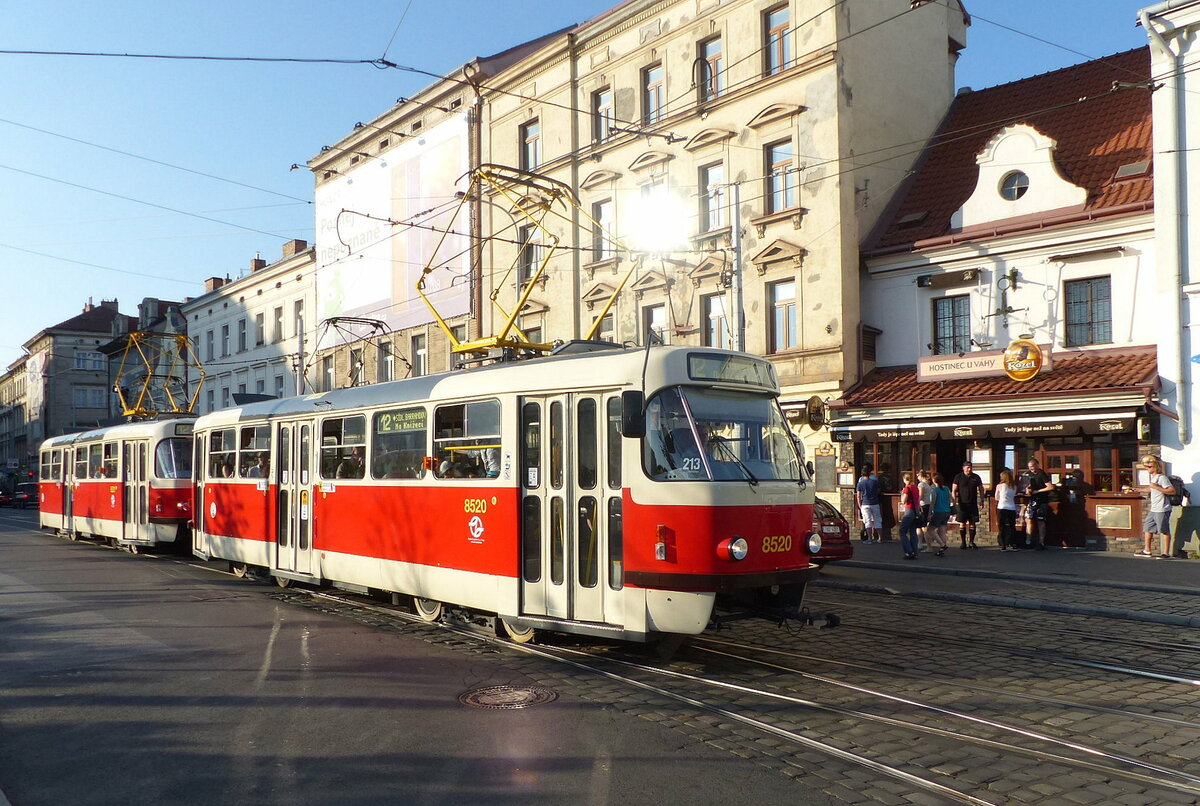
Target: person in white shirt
[1006,511]
[1157,520]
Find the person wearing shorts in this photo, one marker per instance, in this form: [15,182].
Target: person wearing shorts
[1039,488]
[967,491]
[1157,520]
[935,533]
[866,494]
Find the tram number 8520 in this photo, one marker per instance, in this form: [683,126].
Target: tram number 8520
[475,505]
[774,544]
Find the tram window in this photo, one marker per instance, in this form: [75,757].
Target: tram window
[588,459]
[221,454]
[589,549]
[57,463]
[81,463]
[173,459]
[254,452]
[466,440]
[398,443]
[557,538]
[108,469]
[95,461]
[556,445]
[531,445]
[614,443]
[343,447]
[531,539]
[44,473]
[696,434]
[304,454]
[285,455]
[616,546]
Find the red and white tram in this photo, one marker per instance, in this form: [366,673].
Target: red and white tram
[609,491]
[129,484]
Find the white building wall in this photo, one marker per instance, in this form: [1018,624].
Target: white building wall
[1122,250]
[1172,29]
[280,285]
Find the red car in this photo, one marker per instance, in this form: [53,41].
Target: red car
[5,499]
[834,531]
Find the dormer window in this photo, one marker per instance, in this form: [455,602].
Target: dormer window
[1014,185]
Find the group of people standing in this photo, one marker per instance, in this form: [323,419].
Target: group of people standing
[926,504]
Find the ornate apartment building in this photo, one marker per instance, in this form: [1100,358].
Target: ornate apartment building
[733,153]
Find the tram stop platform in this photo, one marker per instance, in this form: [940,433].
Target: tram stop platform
[1117,585]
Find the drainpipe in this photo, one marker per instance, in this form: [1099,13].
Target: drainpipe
[1174,233]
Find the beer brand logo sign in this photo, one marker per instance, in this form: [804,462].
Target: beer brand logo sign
[1023,360]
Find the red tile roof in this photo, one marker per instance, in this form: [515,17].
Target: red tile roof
[1098,129]
[1073,373]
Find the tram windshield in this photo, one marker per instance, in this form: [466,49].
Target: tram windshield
[710,434]
[173,459]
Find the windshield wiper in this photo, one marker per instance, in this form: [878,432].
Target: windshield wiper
[723,444]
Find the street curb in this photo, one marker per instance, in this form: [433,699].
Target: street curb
[1064,580]
[1022,604]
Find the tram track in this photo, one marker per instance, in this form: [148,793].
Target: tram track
[689,691]
[942,638]
[895,670]
[790,718]
[1175,646]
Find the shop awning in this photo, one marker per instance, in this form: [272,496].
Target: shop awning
[1008,427]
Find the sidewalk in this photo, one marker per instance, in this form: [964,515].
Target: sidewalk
[1059,580]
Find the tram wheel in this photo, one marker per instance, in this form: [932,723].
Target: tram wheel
[239,570]
[134,548]
[427,609]
[518,635]
[283,582]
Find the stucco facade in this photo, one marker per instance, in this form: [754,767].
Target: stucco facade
[246,333]
[635,110]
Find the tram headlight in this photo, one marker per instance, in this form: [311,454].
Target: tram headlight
[814,543]
[734,548]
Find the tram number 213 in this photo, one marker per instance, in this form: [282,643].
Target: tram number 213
[774,544]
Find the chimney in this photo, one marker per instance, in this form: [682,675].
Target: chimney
[110,304]
[88,308]
[213,283]
[294,247]
[257,263]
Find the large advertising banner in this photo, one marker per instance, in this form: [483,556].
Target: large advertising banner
[367,266]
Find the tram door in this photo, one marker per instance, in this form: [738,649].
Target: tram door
[562,535]
[66,480]
[136,492]
[293,502]
[199,471]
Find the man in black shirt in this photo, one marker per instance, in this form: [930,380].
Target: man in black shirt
[1038,487]
[967,493]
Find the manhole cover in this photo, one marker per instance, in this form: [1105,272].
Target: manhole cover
[507,697]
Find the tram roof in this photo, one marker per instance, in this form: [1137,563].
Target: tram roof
[140,428]
[603,369]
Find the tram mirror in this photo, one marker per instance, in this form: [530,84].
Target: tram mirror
[809,467]
[633,417]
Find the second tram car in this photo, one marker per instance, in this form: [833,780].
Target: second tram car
[609,491]
[129,484]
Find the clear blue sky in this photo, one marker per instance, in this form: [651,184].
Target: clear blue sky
[249,122]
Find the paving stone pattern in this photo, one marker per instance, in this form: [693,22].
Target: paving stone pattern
[959,656]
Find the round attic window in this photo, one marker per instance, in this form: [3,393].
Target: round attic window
[1014,185]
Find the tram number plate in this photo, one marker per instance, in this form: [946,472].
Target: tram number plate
[774,544]
[475,505]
